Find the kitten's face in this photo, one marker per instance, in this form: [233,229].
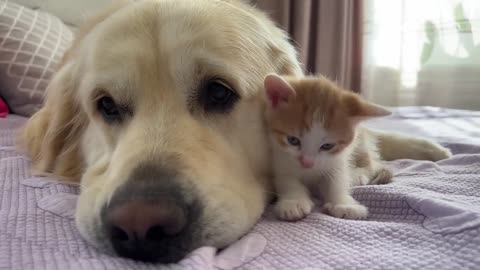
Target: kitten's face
[314,120]
[313,148]
[314,141]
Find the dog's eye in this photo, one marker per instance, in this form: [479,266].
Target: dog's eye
[217,97]
[109,109]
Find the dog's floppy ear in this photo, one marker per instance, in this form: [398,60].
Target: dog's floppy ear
[52,136]
[284,56]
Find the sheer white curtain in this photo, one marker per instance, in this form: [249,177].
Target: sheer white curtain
[421,53]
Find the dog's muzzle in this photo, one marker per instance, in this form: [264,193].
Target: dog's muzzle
[152,217]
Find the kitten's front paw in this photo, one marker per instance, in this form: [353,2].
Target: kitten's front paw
[347,211]
[293,209]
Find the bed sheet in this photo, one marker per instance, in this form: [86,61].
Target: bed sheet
[428,218]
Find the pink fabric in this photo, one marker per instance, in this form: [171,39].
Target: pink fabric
[3,109]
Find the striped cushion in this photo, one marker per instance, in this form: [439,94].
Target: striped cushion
[31,45]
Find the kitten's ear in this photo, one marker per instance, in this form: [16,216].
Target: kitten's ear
[360,109]
[278,90]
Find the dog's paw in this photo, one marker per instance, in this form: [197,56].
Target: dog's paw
[347,211]
[293,209]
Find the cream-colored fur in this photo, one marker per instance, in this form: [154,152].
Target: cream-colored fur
[395,145]
[155,54]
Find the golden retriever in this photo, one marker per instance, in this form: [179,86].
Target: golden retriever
[157,110]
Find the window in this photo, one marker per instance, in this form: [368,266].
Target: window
[422,53]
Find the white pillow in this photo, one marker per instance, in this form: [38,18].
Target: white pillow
[71,12]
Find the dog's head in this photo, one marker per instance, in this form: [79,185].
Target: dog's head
[156,109]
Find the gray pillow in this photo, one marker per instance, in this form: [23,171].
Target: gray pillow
[31,45]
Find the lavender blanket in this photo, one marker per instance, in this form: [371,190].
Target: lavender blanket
[428,218]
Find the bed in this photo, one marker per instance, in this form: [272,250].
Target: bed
[428,218]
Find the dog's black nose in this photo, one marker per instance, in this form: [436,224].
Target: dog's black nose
[138,229]
[152,217]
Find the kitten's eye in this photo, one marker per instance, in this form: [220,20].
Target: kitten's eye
[293,140]
[108,109]
[327,146]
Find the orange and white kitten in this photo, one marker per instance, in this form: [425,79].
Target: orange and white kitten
[317,141]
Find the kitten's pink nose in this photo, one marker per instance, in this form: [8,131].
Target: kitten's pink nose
[306,162]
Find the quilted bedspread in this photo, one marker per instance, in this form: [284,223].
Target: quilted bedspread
[428,218]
